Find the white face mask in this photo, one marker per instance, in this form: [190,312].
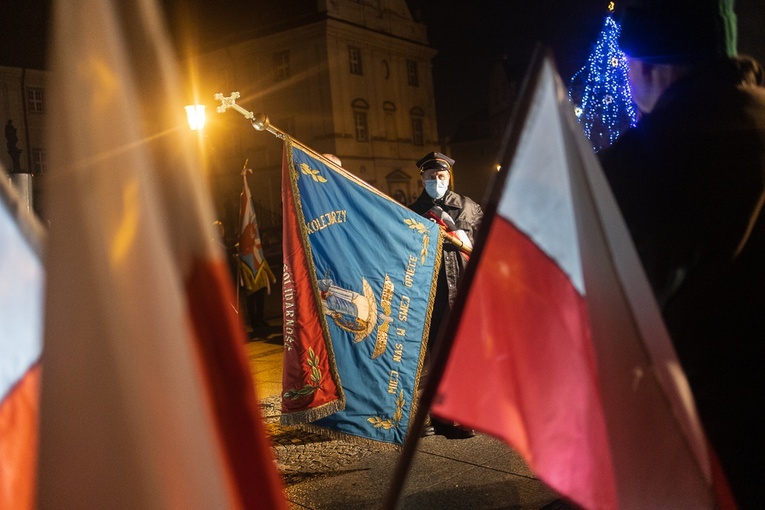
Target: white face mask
[436,188]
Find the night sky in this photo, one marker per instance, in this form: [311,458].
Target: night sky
[468,34]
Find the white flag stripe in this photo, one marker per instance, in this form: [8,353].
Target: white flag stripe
[21,288]
[537,196]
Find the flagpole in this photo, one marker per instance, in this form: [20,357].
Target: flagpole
[238,236]
[261,122]
[447,331]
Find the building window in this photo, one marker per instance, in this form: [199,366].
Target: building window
[411,73]
[391,129]
[35,98]
[418,132]
[417,136]
[38,161]
[354,59]
[282,65]
[360,126]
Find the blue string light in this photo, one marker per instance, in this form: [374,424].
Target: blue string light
[600,91]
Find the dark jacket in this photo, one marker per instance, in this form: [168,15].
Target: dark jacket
[467,216]
[690,182]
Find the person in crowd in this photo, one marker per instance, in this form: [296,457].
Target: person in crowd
[333,158]
[460,217]
[689,179]
[752,72]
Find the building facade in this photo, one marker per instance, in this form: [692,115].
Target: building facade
[347,77]
[22,113]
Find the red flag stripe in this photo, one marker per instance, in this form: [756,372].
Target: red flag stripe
[521,390]
[302,326]
[220,340]
[19,421]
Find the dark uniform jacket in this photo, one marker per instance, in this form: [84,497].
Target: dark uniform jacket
[690,182]
[467,216]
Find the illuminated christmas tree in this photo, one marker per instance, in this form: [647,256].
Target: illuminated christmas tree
[600,91]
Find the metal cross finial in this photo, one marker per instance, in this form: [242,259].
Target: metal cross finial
[230,102]
[259,121]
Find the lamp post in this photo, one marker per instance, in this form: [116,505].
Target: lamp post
[195,114]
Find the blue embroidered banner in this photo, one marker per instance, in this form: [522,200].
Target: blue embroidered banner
[374,265]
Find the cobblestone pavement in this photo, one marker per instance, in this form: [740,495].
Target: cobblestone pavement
[303,454]
[326,473]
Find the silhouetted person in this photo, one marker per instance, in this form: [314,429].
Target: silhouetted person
[690,181]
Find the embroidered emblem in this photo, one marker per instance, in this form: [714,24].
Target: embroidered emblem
[382,331]
[390,423]
[315,175]
[421,229]
[315,379]
[351,311]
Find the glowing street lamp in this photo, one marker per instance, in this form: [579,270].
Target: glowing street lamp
[195,113]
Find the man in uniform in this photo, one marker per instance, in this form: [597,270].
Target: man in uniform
[459,216]
[690,183]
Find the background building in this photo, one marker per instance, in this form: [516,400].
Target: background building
[292,60]
[22,113]
[347,77]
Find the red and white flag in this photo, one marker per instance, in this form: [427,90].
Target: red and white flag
[147,397]
[255,271]
[560,348]
[21,298]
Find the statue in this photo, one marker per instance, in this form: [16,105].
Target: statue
[12,140]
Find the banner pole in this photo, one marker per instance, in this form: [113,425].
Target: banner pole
[261,122]
[238,236]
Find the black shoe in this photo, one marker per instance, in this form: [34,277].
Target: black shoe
[428,431]
[457,432]
[452,430]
